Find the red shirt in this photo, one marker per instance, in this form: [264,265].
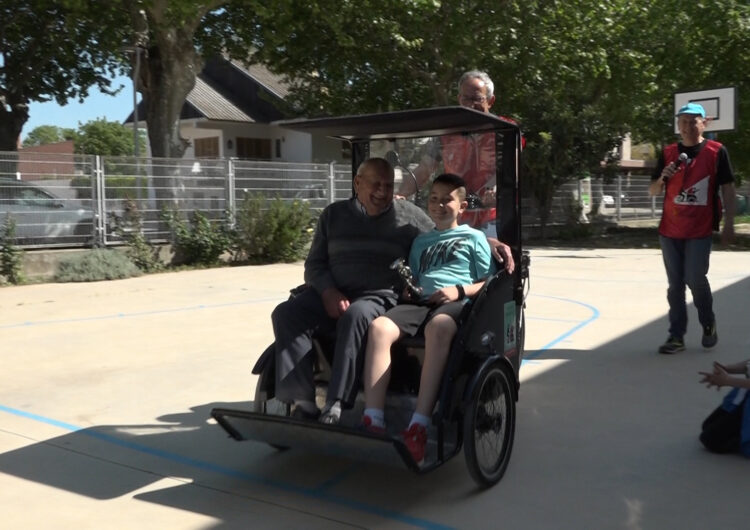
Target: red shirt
[690,196]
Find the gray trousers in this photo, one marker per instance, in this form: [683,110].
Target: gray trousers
[686,262]
[294,324]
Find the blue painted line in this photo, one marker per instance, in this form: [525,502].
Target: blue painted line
[594,316]
[140,313]
[316,493]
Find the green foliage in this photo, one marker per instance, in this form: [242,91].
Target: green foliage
[117,187]
[48,134]
[54,50]
[106,138]
[11,257]
[129,226]
[96,265]
[198,242]
[272,232]
[577,76]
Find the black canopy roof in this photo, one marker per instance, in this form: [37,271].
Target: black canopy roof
[436,121]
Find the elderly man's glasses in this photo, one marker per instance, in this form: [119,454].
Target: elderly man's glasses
[472,99]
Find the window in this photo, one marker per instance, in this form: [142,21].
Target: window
[206,147]
[255,148]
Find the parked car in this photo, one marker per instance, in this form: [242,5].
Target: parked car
[42,217]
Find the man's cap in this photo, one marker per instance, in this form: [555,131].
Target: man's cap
[692,108]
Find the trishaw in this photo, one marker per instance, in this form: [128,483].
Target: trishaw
[476,408]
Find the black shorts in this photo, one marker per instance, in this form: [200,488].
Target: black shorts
[411,318]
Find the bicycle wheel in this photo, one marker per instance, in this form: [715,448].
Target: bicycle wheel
[489,426]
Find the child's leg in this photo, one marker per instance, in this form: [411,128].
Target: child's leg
[382,334]
[438,335]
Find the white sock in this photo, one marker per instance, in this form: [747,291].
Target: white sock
[421,419]
[334,409]
[377,416]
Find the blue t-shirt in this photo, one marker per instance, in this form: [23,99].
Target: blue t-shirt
[443,258]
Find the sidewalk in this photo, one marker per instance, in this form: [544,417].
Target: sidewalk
[106,390]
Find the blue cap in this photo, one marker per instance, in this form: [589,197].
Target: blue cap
[692,108]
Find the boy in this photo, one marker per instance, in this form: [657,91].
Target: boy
[451,264]
[727,429]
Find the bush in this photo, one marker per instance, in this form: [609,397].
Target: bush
[96,265]
[129,226]
[199,242]
[11,257]
[278,232]
[116,187]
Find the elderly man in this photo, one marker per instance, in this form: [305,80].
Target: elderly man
[472,156]
[350,283]
[691,173]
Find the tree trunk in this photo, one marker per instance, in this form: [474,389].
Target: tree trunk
[168,78]
[13,115]
[165,82]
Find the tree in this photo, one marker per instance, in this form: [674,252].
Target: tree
[51,50]
[559,69]
[578,76]
[102,137]
[698,45]
[48,134]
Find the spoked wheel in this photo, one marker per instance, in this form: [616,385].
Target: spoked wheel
[489,426]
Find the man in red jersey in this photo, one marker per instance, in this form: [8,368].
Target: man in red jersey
[691,173]
[471,156]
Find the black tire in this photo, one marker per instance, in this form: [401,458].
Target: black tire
[489,426]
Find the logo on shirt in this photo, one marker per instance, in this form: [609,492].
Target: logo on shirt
[695,195]
[439,254]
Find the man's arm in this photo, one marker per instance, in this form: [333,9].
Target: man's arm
[729,195]
[657,177]
[725,179]
[502,253]
[422,173]
[318,274]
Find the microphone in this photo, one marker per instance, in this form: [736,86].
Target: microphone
[682,159]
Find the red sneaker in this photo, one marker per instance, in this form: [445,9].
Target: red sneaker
[415,438]
[367,426]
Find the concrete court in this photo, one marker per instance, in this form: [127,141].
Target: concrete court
[106,388]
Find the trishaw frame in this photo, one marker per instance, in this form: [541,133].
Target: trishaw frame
[458,390]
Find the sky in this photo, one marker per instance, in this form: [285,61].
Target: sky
[97,105]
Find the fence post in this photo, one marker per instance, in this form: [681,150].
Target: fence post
[618,199]
[231,195]
[331,182]
[98,192]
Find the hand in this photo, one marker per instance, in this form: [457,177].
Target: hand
[502,252]
[488,198]
[443,296]
[668,171]
[717,378]
[335,302]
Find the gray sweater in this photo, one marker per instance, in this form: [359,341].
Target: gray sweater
[353,251]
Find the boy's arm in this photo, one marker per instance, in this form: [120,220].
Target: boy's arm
[720,376]
[455,293]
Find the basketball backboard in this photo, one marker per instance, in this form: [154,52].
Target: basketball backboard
[720,105]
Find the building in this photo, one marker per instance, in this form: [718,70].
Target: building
[229,114]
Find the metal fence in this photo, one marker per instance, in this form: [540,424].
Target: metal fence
[73,200]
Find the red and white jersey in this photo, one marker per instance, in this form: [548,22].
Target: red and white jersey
[690,196]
